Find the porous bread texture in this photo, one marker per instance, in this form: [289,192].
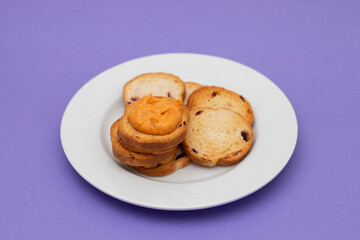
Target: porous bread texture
[145,143]
[217,136]
[180,161]
[133,158]
[159,84]
[217,97]
[190,88]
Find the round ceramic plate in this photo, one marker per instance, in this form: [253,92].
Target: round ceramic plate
[85,135]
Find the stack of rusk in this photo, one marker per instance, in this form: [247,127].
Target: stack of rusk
[153,155]
[215,129]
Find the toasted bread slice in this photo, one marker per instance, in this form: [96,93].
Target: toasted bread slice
[133,158]
[190,88]
[159,84]
[180,161]
[145,143]
[152,151]
[217,97]
[217,136]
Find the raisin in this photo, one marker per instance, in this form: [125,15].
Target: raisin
[169,95]
[237,152]
[194,150]
[242,98]
[245,135]
[213,94]
[180,125]
[198,112]
[157,165]
[180,156]
[131,156]
[184,123]
[128,102]
[135,98]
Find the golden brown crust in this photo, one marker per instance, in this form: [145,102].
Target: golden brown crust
[145,142]
[160,75]
[133,158]
[218,97]
[190,88]
[198,159]
[164,169]
[152,151]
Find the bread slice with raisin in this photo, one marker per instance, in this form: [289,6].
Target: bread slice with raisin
[145,143]
[217,136]
[190,88]
[217,97]
[133,158]
[159,84]
[163,169]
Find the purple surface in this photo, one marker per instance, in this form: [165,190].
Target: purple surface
[48,50]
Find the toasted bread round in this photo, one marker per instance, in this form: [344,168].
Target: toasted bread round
[217,97]
[180,161]
[152,151]
[159,84]
[217,136]
[190,88]
[145,143]
[133,158]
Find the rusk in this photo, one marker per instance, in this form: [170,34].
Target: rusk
[190,88]
[180,161]
[217,136]
[133,158]
[146,143]
[159,84]
[217,97]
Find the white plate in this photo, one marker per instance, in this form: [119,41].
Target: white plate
[86,139]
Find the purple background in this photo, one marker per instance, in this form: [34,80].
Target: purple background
[310,49]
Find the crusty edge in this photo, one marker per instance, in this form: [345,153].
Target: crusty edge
[186,90]
[150,160]
[159,159]
[235,157]
[164,169]
[143,75]
[229,159]
[196,158]
[194,83]
[137,150]
[149,146]
[193,97]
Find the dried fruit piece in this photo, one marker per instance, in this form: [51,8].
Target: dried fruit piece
[245,135]
[180,156]
[198,112]
[237,152]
